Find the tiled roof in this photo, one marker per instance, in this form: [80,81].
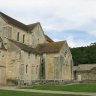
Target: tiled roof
[24,46]
[27,28]
[32,26]
[48,38]
[53,47]
[14,22]
[17,23]
[85,67]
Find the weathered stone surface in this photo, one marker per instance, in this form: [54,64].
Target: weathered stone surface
[86,72]
[21,63]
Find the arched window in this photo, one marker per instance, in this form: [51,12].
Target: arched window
[23,38]
[18,36]
[42,69]
[26,68]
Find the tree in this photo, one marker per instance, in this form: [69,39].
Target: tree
[84,55]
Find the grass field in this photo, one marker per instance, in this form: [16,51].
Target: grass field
[77,87]
[17,93]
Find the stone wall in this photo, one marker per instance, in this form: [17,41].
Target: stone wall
[3,67]
[85,72]
[68,62]
[2,75]
[37,36]
[86,76]
[58,66]
[24,67]
[31,63]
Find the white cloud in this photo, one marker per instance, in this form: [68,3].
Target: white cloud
[56,40]
[73,43]
[54,14]
[61,13]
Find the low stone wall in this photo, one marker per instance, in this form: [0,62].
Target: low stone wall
[43,82]
[88,81]
[47,82]
[50,82]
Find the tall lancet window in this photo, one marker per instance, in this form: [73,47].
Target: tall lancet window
[26,68]
[18,36]
[23,38]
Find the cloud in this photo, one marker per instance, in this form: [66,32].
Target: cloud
[73,43]
[53,13]
[75,38]
[55,16]
[90,27]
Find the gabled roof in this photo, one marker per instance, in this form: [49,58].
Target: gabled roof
[86,67]
[17,23]
[53,47]
[14,22]
[48,39]
[32,26]
[24,46]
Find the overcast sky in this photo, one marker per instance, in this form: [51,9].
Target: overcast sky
[71,20]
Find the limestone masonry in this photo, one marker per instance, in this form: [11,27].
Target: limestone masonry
[27,54]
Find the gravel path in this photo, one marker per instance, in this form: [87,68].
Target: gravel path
[47,91]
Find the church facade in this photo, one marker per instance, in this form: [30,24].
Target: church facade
[27,54]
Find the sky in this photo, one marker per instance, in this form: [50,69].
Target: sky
[71,20]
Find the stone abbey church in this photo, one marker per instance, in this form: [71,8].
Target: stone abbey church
[27,54]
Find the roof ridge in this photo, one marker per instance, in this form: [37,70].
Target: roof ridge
[33,23]
[11,17]
[17,23]
[11,20]
[52,47]
[48,38]
[32,26]
[24,47]
[54,42]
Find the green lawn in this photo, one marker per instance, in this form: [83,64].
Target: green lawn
[77,87]
[17,93]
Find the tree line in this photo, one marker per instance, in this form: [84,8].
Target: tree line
[84,55]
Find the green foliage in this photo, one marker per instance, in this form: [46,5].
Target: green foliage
[84,55]
[75,88]
[17,93]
